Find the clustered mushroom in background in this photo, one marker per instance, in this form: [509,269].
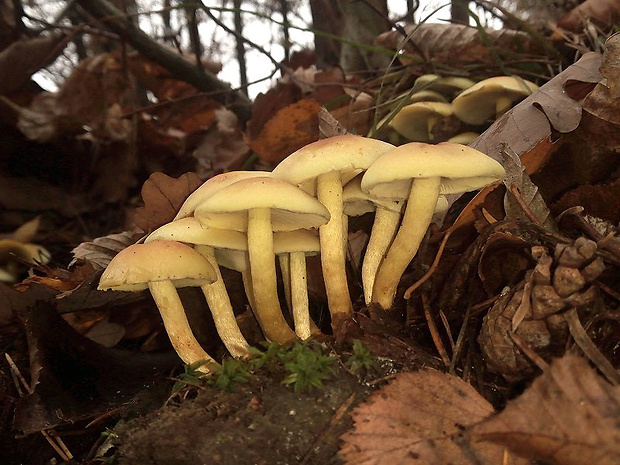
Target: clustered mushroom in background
[451,108]
[249,221]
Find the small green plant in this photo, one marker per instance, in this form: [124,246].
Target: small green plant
[267,358]
[307,367]
[361,359]
[190,377]
[231,371]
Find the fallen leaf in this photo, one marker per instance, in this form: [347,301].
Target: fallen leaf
[163,196]
[604,13]
[517,178]
[456,43]
[329,126]
[419,418]
[600,200]
[101,250]
[568,416]
[289,129]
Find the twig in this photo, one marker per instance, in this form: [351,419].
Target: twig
[433,267]
[516,194]
[528,352]
[589,349]
[434,333]
[114,20]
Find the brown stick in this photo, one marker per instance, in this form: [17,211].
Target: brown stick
[115,21]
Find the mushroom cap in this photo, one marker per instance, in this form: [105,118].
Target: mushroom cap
[445,85]
[191,231]
[357,202]
[137,265]
[232,259]
[291,207]
[478,103]
[347,153]
[464,138]
[412,121]
[300,240]
[460,168]
[427,96]
[211,186]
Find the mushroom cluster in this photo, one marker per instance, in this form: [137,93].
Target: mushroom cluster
[251,221]
[453,108]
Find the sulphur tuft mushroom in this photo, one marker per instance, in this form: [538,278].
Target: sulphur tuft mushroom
[189,230]
[490,98]
[261,206]
[387,219]
[416,121]
[162,267]
[323,167]
[419,173]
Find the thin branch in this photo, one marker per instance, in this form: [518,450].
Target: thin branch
[115,21]
[243,68]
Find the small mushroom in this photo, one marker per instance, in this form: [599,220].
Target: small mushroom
[490,98]
[161,267]
[384,228]
[448,85]
[464,138]
[292,247]
[323,167]
[190,231]
[14,253]
[415,122]
[211,186]
[419,173]
[261,206]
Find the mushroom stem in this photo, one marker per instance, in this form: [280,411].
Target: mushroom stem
[222,311]
[285,267]
[384,229]
[416,219]
[264,282]
[333,247]
[172,313]
[299,294]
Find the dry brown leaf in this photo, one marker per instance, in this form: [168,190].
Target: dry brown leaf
[289,129]
[34,194]
[163,196]
[603,13]
[530,122]
[100,251]
[600,200]
[23,58]
[569,416]
[268,104]
[517,177]
[419,418]
[455,43]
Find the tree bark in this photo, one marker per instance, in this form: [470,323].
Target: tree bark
[243,69]
[459,13]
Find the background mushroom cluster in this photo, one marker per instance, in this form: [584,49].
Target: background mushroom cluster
[249,221]
[452,109]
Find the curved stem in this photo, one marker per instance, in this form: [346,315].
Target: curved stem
[264,282]
[222,311]
[333,247]
[175,321]
[382,234]
[416,219]
[285,268]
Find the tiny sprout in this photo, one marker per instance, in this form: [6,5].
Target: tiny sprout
[230,372]
[190,376]
[361,359]
[306,367]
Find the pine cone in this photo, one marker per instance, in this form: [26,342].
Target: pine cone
[532,311]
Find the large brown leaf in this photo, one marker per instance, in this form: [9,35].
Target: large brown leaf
[569,416]
[419,418]
[604,13]
[456,43]
[163,196]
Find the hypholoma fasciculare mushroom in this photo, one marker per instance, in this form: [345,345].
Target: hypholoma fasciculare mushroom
[190,231]
[490,98]
[161,267]
[261,206]
[416,121]
[419,173]
[384,228]
[211,186]
[291,247]
[322,168]
[448,85]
